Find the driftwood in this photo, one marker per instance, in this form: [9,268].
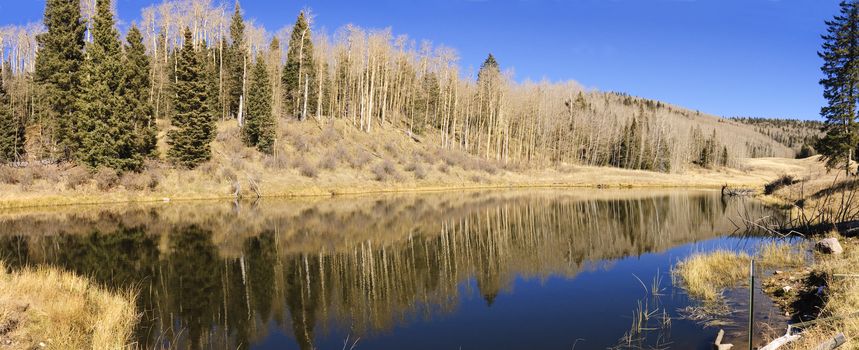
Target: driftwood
[781,341]
[717,345]
[739,192]
[833,343]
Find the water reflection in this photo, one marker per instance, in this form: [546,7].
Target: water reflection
[222,275]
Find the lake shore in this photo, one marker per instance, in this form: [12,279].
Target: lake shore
[204,184]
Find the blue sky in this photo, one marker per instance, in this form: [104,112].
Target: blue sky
[726,57]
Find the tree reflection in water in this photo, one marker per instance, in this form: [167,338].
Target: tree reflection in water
[216,275]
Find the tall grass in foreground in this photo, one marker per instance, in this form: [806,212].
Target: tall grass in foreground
[62,311]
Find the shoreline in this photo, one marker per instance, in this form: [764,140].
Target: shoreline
[332,192]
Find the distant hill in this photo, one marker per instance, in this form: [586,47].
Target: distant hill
[793,133]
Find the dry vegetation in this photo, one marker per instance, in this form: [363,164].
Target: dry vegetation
[45,307]
[706,276]
[329,158]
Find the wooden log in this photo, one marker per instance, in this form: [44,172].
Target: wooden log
[833,343]
[717,345]
[780,341]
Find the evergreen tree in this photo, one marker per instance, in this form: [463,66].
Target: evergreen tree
[193,122]
[298,72]
[840,54]
[488,70]
[259,125]
[137,89]
[106,130]
[11,131]
[236,61]
[58,63]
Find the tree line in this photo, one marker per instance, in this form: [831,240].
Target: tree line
[77,93]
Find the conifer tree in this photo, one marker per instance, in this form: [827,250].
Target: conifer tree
[11,131]
[259,125]
[192,121]
[58,63]
[840,54]
[298,72]
[105,127]
[236,61]
[137,89]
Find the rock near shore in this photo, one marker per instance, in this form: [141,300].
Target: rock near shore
[829,246]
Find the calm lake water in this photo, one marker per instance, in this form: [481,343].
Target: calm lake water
[549,269]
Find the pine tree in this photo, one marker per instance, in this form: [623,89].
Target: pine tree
[236,61]
[298,73]
[193,122]
[58,63]
[11,131]
[259,125]
[840,54]
[105,127]
[137,87]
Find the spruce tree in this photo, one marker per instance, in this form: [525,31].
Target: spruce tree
[192,121]
[236,61]
[298,72]
[11,131]
[137,89]
[58,63]
[840,54]
[259,125]
[105,127]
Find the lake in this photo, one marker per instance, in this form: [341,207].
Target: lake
[546,269]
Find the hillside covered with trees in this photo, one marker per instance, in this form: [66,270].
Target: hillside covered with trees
[800,135]
[190,80]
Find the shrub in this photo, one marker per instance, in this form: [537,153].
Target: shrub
[106,178]
[418,169]
[139,181]
[359,159]
[305,168]
[784,180]
[8,175]
[329,135]
[300,143]
[77,176]
[329,161]
[386,170]
[26,176]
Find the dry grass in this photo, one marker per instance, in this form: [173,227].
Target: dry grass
[63,311]
[340,160]
[706,276]
[842,296]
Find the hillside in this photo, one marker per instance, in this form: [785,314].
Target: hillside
[792,133]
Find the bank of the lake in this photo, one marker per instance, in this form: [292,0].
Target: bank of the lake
[168,184]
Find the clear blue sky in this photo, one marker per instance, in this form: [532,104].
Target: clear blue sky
[726,57]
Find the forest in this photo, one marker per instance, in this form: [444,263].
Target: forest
[78,91]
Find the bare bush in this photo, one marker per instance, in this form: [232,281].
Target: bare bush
[386,170]
[77,176]
[300,142]
[139,181]
[305,168]
[329,161]
[418,169]
[329,135]
[8,175]
[51,173]
[26,177]
[278,161]
[359,159]
[106,178]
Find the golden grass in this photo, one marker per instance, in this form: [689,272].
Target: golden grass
[706,276]
[843,296]
[62,311]
[443,170]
